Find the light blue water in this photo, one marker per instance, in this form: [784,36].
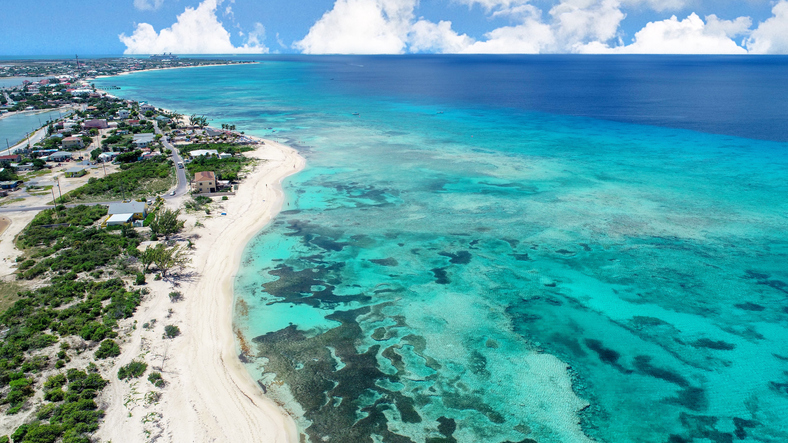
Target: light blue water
[15,128]
[432,271]
[10,82]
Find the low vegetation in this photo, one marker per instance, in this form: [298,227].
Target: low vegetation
[134,180]
[225,169]
[135,369]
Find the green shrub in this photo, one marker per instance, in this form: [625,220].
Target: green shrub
[156,379]
[171,331]
[176,296]
[107,349]
[140,279]
[134,369]
[55,381]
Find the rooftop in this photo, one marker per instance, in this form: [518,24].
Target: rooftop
[204,176]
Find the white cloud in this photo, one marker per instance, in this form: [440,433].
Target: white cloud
[427,36]
[581,26]
[197,31]
[361,27]
[688,36]
[658,5]
[771,36]
[148,5]
[580,21]
[529,37]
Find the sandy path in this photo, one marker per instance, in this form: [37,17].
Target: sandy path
[210,397]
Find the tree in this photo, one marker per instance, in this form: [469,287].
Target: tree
[166,223]
[94,154]
[167,259]
[147,257]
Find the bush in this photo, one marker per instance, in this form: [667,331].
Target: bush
[156,379]
[176,296]
[171,331]
[107,349]
[134,369]
[140,279]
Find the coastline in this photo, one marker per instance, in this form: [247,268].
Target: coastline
[210,395]
[173,67]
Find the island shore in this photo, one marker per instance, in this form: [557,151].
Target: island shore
[209,395]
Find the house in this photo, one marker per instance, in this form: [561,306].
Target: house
[146,107]
[11,158]
[10,185]
[204,152]
[133,122]
[107,156]
[204,182]
[213,132]
[119,219]
[143,140]
[225,155]
[138,210]
[20,167]
[95,124]
[73,143]
[163,119]
[124,113]
[60,156]
[77,171]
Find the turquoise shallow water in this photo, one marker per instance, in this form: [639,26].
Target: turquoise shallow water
[431,270]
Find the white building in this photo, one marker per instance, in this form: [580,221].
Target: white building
[204,153]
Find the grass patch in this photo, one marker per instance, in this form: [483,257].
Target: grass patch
[10,201]
[9,294]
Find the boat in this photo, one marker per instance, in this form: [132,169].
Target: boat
[356,113]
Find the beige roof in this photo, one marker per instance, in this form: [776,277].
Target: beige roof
[204,176]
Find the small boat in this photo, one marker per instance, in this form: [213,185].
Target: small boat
[440,112]
[356,113]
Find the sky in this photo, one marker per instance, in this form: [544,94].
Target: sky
[93,27]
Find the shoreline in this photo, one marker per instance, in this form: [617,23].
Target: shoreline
[210,395]
[166,69]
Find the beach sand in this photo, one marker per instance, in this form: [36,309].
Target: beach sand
[209,395]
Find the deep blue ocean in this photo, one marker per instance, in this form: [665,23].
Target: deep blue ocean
[515,248]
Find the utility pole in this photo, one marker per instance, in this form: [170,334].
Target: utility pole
[59,190]
[54,201]
[79,71]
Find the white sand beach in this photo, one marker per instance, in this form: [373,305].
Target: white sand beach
[209,395]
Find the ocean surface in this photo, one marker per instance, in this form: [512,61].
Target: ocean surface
[515,249]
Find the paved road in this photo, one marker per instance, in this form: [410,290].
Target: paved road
[183,183]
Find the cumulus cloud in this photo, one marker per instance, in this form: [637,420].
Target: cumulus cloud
[197,31]
[771,36]
[689,36]
[361,27]
[148,5]
[579,26]
[427,36]
[529,37]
